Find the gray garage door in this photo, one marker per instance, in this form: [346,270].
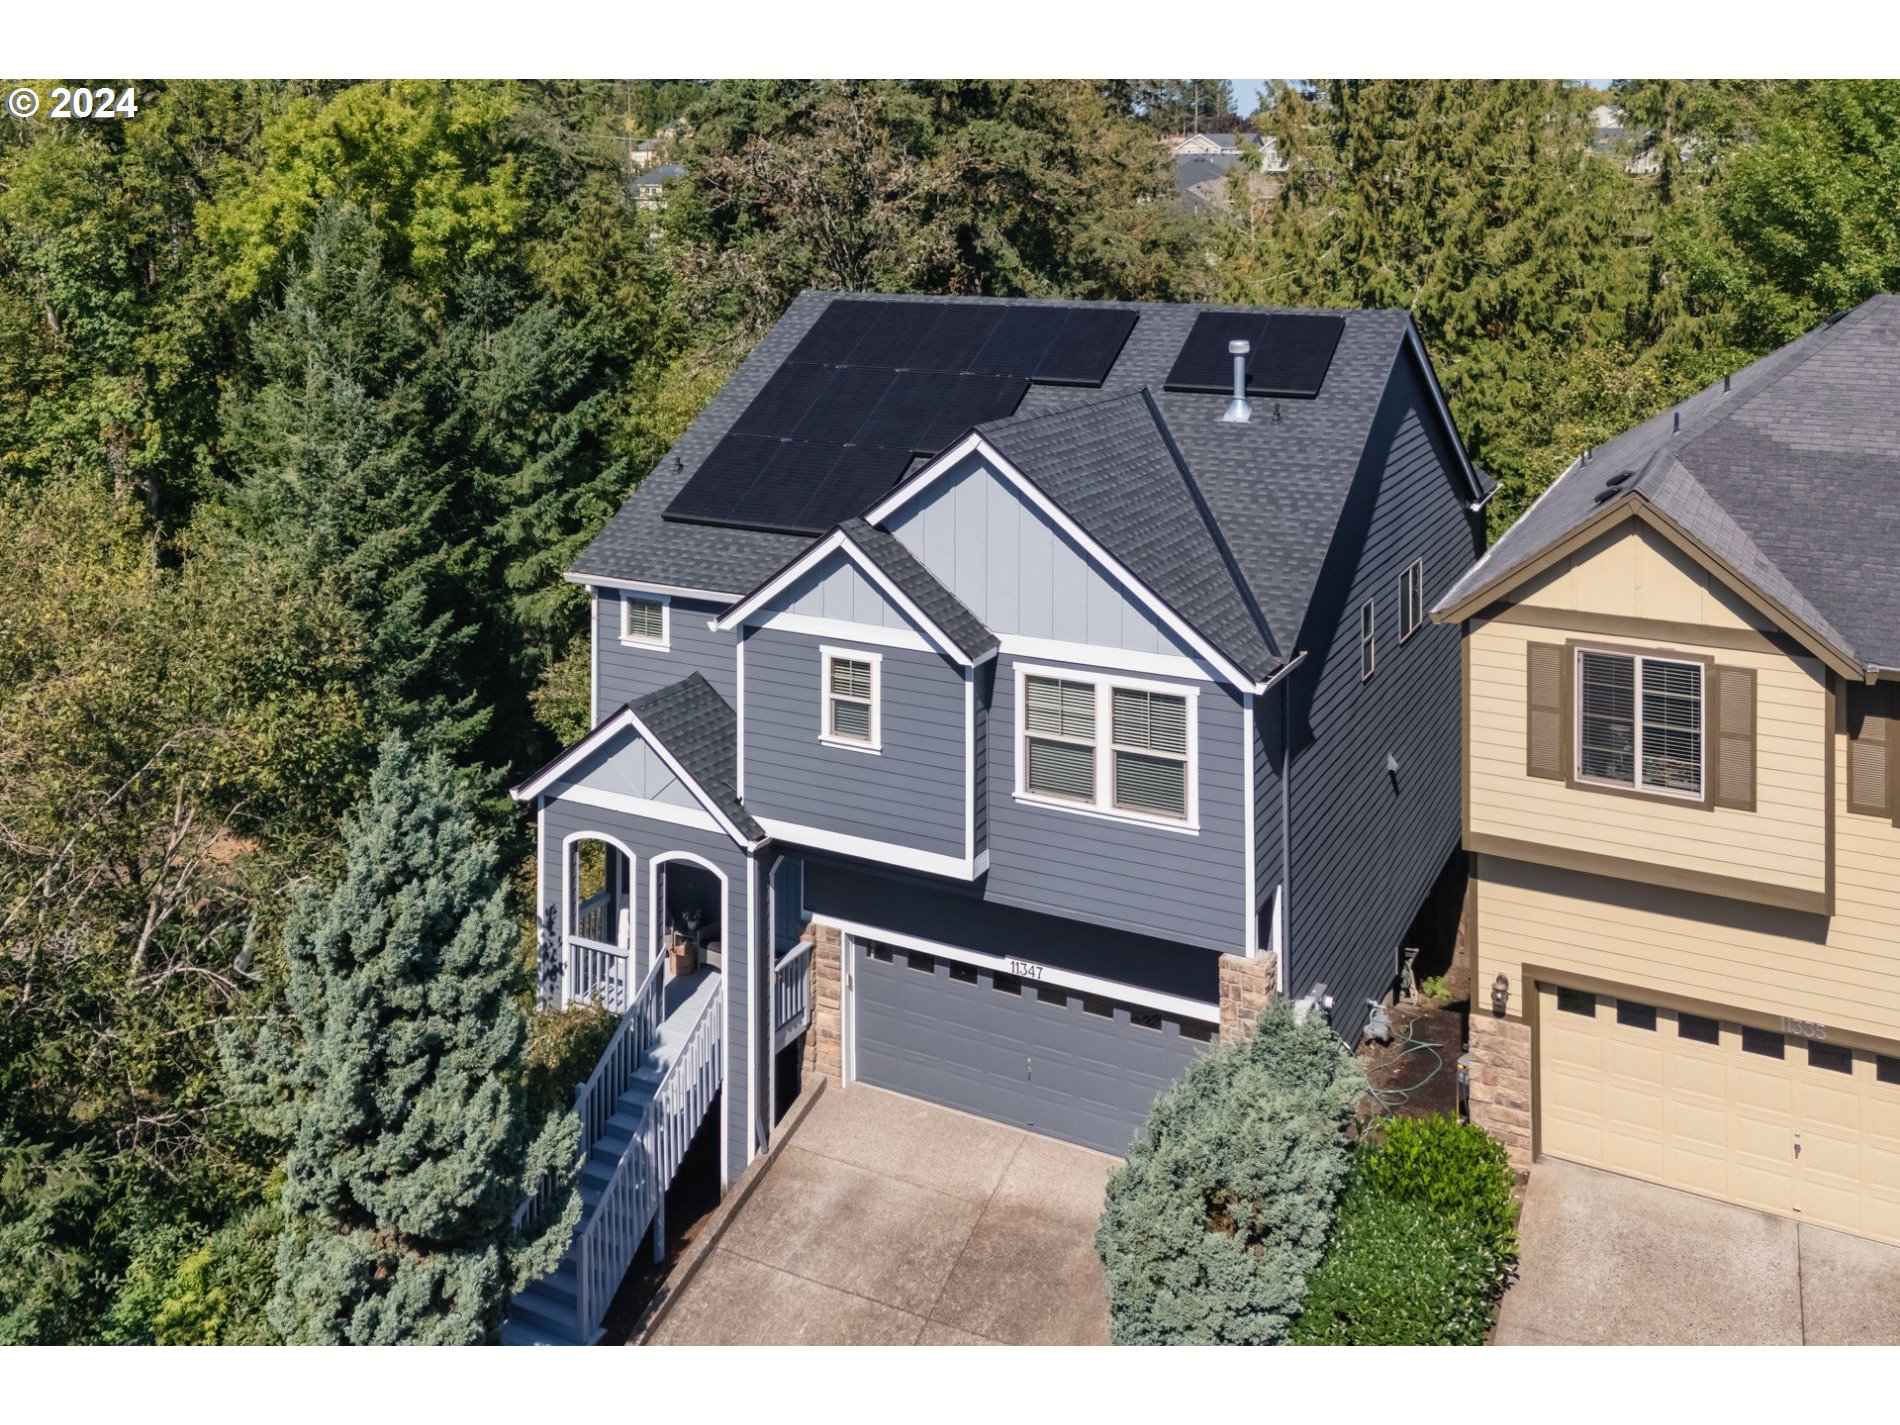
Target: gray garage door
[1035,1055]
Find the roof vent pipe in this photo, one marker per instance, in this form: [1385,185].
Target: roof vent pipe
[1676,424]
[1238,412]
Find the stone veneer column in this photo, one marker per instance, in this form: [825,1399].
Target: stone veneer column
[1500,1058]
[1246,985]
[824,1041]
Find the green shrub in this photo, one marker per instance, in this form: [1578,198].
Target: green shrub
[563,1047]
[1398,1273]
[1454,1168]
[185,1287]
[1433,990]
[1210,1229]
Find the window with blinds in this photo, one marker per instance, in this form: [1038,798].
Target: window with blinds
[1411,599]
[1059,751]
[642,620]
[1640,722]
[1149,744]
[850,700]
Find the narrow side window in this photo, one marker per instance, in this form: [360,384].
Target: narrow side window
[1368,641]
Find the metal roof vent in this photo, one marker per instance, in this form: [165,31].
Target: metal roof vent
[1238,412]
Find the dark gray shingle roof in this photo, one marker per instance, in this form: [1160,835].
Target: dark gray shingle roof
[1789,471]
[922,588]
[1107,463]
[693,723]
[1275,487]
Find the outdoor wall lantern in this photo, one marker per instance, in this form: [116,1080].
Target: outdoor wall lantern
[1500,993]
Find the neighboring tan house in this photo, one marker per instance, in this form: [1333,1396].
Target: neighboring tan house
[990,707]
[645,153]
[1682,708]
[1202,163]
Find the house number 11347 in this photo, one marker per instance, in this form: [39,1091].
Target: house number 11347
[1024,970]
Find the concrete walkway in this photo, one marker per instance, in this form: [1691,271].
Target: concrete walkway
[1608,1260]
[886,1221]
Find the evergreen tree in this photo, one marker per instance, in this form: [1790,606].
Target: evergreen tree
[395,1078]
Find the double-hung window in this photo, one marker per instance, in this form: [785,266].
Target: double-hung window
[1411,599]
[850,710]
[1639,722]
[1108,747]
[643,620]
[1368,640]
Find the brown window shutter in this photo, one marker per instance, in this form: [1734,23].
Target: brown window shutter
[1547,711]
[1870,762]
[1731,737]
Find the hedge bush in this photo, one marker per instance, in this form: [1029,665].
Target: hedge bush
[1209,1231]
[1423,1243]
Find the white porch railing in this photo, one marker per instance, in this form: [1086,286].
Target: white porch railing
[597,968]
[634,1198]
[613,1074]
[791,995]
[595,918]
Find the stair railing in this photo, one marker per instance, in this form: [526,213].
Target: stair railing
[631,1201]
[791,995]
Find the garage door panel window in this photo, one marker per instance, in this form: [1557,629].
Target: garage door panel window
[1114,748]
[1886,1070]
[1640,723]
[1635,1016]
[1702,1031]
[1831,1057]
[1760,1041]
[1577,1002]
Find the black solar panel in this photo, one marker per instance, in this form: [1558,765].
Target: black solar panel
[1021,338]
[838,329]
[908,407]
[862,474]
[1204,363]
[1085,349]
[723,479]
[953,343]
[970,401]
[901,330]
[1293,357]
[782,402]
[837,414]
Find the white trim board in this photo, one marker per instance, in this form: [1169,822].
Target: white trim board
[631,806]
[662,644]
[865,849]
[1069,979]
[815,627]
[604,581]
[1030,491]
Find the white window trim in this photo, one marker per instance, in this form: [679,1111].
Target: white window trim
[1103,807]
[826,654]
[1417,566]
[1636,784]
[1368,640]
[664,643]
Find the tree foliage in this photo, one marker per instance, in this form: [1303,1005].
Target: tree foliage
[394,1076]
[1209,1231]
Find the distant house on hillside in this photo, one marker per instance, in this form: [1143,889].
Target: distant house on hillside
[1203,161]
[644,154]
[649,188]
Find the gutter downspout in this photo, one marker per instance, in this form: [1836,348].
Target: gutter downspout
[1285,907]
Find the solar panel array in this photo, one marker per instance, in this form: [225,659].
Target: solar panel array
[874,384]
[1292,352]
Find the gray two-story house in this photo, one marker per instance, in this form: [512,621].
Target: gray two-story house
[985,694]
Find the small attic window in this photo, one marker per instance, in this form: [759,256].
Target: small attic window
[643,620]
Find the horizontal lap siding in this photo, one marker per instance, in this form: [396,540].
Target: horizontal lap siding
[648,840]
[1782,842]
[911,793]
[1365,852]
[1140,878]
[623,672]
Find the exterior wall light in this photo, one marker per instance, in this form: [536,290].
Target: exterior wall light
[1500,993]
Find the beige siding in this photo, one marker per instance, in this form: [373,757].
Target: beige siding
[1782,842]
[1634,572]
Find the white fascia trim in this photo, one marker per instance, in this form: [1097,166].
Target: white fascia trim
[738,772]
[1028,489]
[1479,498]
[1095,655]
[638,586]
[969,765]
[865,849]
[826,653]
[632,806]
[626,718]
[838,542]
[1103,807]
[815,627]
[1247,821]
[593,654]
[1088,984]
[664,643]
[752,988]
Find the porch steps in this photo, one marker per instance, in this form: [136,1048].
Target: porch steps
[545,1313]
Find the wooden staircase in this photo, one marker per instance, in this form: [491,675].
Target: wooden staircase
[646,1098]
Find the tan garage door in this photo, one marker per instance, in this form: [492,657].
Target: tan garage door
[1788,1125]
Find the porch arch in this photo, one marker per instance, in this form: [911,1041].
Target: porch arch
[654,906]
[586,964]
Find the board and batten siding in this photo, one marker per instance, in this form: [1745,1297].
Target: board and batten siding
[910,793]
[1782,843]
[1367,846]
[624,671]
[1016,571]
[648,840]
[1154,881]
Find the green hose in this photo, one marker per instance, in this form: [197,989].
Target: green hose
[1389,1100]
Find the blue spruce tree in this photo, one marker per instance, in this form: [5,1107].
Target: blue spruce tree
[395,1078]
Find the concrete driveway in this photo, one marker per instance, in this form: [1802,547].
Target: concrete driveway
[1608,1260]
[885,1221]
